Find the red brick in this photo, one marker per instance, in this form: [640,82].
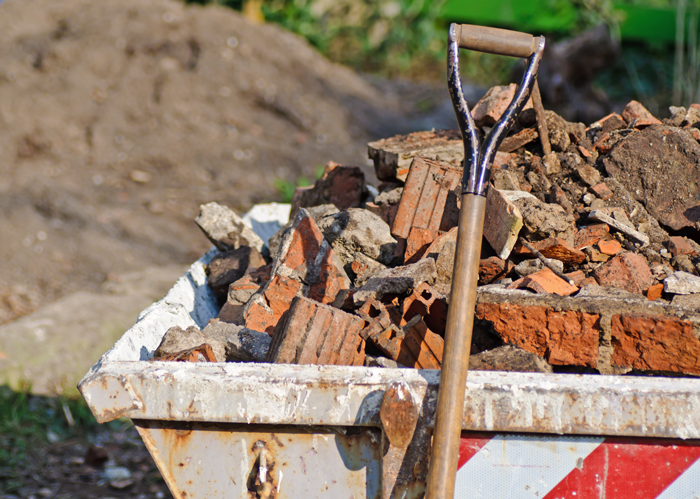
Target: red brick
[425,198]
[557,196]
[492,105]
[378,317]
[414,345]
[312,333]
[226,268]
[585,152]
[518,140]
[655,343]
[342,186]
[392,157]
[427,303]
[635,111]
[591,234]
[654,292]
[263,313]
[201,353]
[602,191]
[578,276]
[679,246]
[417,243]
[556,248]
[492,268]
[501,159]
[240,292]
[562,337]
[611,247]
[544,281]
[627,271]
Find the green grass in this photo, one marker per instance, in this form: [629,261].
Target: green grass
[28,423]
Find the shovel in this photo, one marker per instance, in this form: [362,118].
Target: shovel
[478,158]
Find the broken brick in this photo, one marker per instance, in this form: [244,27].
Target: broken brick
[378,317]
[578,276]
[588,174]
[655,343]
[201,353]
[417,243]
[396,281]
[654,292]
[392,157]
[555,248]
[226,268]
[491,268]
[636,111]
[513,142]
[492,105]
[313,333]
[627,271]
[501,159]
[544,281]
[590,235]
[264,310]
[241,291]
[556,195]
[562,337]
[585,152]
[679,246]
[602,191]
[611,247]
[413,345]
[427,303]
[342,186]
[430,198]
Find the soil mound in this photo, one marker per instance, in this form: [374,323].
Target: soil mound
[119,118]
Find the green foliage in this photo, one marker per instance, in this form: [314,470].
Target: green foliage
[389,37]
[27,423]
[285,188]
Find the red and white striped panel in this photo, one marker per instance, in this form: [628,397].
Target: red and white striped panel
[495,466]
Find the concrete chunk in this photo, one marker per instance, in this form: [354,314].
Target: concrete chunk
[502,222]
[358,231]
[241,344]
[682,283]
[625,228]
[225,229]
[397,281]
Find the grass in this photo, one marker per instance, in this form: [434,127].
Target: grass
[285,188]
[28,423]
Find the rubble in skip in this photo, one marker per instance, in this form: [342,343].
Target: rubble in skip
[589,260]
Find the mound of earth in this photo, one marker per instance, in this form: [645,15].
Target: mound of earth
[119,118]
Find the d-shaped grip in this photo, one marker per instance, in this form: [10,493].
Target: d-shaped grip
[497,41]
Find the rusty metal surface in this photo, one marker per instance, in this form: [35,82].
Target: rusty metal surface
[210,461]
[346,396]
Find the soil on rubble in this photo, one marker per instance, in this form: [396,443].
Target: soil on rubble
[118,119]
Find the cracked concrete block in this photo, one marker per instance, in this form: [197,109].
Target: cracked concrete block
[225,229]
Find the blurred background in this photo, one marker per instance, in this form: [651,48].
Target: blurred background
[119,118]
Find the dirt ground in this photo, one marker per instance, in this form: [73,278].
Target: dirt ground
[118,119]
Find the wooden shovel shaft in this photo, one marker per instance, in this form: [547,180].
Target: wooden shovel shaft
[458,339]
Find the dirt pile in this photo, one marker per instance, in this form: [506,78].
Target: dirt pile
[118,119]
[583,266]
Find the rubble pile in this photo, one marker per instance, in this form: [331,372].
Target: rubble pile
[589,261]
